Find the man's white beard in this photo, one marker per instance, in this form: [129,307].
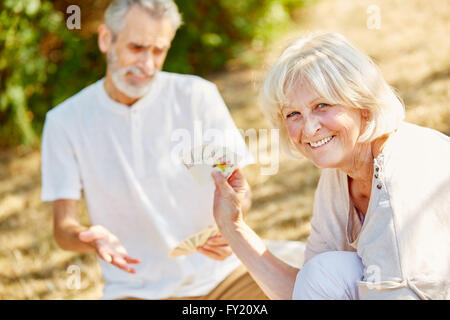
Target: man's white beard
[118,76]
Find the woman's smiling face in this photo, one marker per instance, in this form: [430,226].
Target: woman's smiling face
[324,133]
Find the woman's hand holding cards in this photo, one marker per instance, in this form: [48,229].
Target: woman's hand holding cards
[228,198]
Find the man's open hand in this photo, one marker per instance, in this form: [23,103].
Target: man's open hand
[108,247]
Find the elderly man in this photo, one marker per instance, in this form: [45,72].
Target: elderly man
[114,141]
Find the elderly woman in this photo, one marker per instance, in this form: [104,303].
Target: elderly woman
[381,222]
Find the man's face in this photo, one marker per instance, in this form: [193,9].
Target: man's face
[138,52]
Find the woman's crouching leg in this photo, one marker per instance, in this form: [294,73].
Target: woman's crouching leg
[332,275]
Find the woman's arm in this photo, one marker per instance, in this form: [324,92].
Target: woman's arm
[275,277]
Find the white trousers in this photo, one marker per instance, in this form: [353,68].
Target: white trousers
[329,276]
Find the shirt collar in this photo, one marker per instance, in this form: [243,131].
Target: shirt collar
[139,105]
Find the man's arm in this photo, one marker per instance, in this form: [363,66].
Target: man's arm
[71,235]
[67,227]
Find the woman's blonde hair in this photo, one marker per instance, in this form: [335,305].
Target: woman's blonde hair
[339,73]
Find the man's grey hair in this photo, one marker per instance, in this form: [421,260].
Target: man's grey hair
[117,10]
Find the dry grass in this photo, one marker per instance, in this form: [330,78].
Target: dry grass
[411,49]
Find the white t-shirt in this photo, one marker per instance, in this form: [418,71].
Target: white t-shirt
[122,158]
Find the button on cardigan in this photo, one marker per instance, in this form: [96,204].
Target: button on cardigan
[404,243]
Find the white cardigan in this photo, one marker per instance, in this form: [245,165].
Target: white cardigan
[404,243]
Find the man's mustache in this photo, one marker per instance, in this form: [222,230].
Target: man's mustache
[140,72]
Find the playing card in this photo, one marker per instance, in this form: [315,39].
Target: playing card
[191,243]
[202,160]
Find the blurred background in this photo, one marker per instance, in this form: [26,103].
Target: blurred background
[232,43]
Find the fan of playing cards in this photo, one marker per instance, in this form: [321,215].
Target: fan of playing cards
[190,244]
[202,160]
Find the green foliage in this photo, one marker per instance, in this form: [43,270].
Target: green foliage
[216,31]
[42,62]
